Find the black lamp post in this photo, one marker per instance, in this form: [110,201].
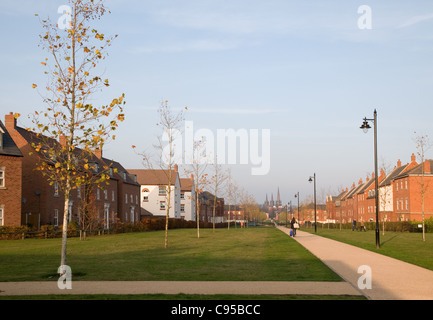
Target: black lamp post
[315,206]
[365,126]
[297,196]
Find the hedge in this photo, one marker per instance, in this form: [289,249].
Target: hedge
[395,226]
[147,224]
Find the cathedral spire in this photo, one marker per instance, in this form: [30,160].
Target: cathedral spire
[278,198]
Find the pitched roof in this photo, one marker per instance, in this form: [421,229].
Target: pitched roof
[366,185]
[126,176]
[153,176]
[417,170]
[8,147]
[397,171]
[186,184]
[32,137]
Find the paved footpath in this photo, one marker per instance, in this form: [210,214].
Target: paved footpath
[391,279]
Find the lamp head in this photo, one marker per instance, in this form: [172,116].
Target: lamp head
[311,179]
[365,126]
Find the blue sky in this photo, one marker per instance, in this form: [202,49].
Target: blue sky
[302,69]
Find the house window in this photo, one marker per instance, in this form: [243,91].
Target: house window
[136,199]
[132,214]
[131,198]
[182,208]
[56,189]
[56,217]
[405,184]
[79,192]
[162,205]
[2,176]
[145,195]
[107,216]
[162,191]
[98,194]
[407,204]
[182,195]
[112,195]
[106,194]
[126,198]
[1,215]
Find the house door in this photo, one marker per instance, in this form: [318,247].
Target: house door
[32,220]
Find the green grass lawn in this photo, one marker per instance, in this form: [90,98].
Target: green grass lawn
[250,254]
[404,246]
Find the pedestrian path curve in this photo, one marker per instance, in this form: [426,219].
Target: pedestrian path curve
[391,279]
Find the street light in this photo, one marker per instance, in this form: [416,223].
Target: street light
[365,126]
[297,196]
[315,207]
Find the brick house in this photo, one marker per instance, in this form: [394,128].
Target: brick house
[206,204]
[399,196]
[11,160]
[307,213]
[407,189]
[89,204]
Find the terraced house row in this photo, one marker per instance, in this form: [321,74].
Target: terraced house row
[27,198]
[404,194]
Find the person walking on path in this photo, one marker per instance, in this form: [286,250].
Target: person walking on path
[354,225]
[294,225]
[363,226]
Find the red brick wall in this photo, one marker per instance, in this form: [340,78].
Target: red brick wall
[413,194]
[10,194]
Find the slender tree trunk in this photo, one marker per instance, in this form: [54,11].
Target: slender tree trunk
[197,209]
[213,213]
[65,230]
[167,214]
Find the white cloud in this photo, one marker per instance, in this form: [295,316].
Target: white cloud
[417,19]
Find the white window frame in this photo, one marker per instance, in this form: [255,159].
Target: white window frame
[2,215]
[2,177]
[56,189]
[107,215]
[56,217]
[132,212]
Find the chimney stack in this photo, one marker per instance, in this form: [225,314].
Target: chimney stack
[62,140]
[98,153]
[398,163]
[10,121]
[413,158]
